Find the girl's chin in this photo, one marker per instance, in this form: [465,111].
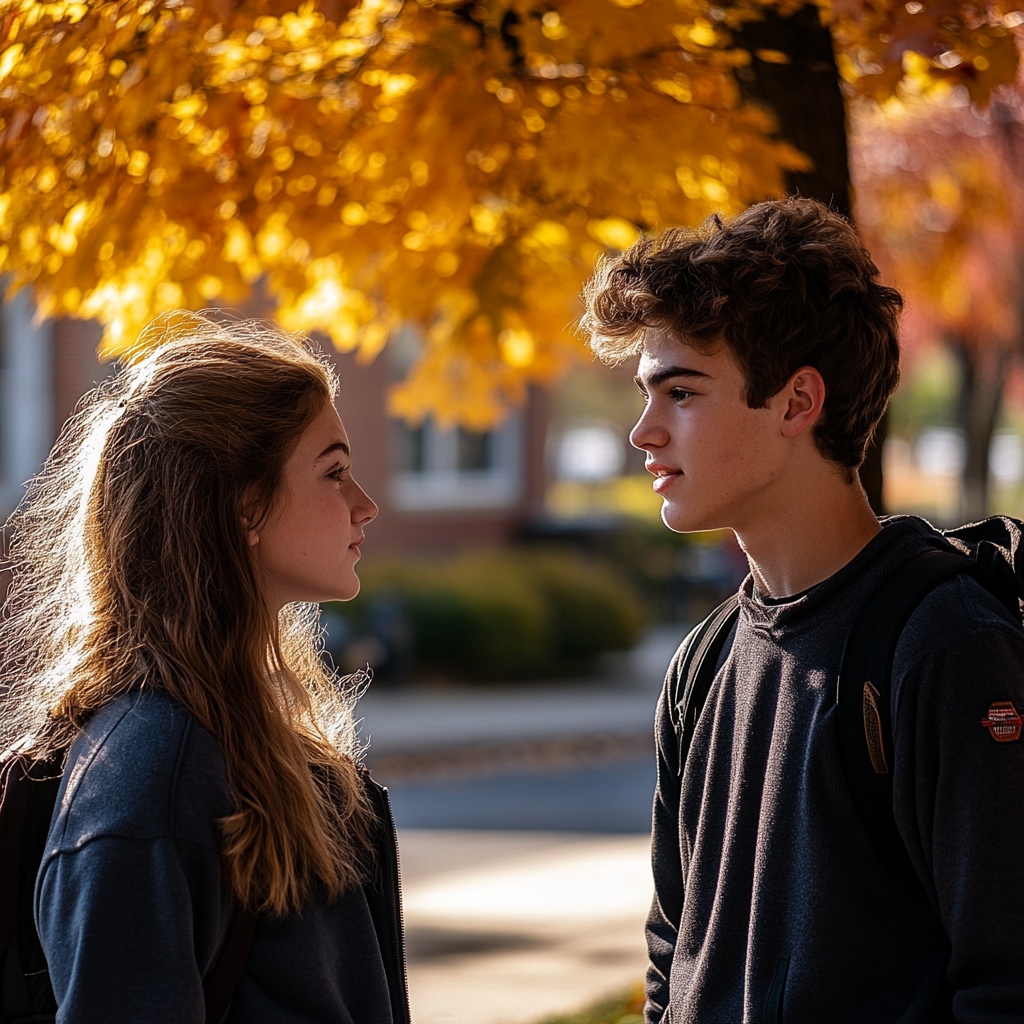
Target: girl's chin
[350,588]
[343,589]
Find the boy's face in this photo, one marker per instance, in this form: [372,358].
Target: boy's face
[714,458]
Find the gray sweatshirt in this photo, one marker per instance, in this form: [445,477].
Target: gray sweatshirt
[768,892]
[132,901]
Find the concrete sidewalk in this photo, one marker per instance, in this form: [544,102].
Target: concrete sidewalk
[621,702]
[509,928]
[523,816]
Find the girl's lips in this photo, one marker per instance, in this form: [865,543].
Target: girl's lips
[664,475]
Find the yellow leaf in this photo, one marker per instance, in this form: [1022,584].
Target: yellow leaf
[9,59]
[613,232]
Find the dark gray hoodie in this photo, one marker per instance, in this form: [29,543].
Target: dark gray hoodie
[133,902]
[765,878]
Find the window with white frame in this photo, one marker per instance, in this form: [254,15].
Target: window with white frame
[439,469]
[26,397]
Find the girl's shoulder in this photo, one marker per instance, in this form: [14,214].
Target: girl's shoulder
[142,768]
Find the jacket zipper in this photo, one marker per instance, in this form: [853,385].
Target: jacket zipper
[395,896]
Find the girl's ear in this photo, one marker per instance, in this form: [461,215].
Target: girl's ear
[251,535]
[247,519]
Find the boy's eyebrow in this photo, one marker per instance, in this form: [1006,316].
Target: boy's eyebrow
[660,376]
[338,446]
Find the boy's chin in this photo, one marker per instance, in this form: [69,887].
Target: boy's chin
[683,520]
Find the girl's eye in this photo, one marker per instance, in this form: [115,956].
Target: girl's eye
[338,474]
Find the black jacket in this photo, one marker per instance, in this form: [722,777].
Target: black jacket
[132,902]
[765,880]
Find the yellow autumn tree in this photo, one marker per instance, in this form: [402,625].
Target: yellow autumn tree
[456,165]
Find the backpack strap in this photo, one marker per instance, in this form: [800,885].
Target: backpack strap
[29,793]
[13,812]
[696,671]
[220,984]
[864,696]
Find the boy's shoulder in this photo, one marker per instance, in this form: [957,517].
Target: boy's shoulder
[957,613]
[142,768]
[961,609]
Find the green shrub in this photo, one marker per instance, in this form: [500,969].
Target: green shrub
[590,608]
[504,614]
[476,619]
[627,1008]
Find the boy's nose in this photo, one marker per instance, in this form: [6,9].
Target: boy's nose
[647,433]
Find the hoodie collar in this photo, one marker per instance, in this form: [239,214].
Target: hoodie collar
[900,538]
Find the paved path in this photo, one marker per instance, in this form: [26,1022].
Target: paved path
[419,721]
[524,817]
[609,797]
[430,719]
[508,928]
[509,923]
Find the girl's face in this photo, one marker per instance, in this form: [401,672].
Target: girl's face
[309,544]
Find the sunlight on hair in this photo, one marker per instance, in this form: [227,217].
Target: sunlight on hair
[130,568]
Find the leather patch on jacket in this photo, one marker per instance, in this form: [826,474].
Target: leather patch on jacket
[873,730]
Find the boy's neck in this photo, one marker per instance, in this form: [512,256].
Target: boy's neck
[810,533]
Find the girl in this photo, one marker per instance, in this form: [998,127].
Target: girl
[160,624]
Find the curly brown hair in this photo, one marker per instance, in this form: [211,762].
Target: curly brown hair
[787,283]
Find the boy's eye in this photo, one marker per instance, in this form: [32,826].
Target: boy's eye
[678,394]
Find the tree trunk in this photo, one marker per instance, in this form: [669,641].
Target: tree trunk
[982,374]
[805,97]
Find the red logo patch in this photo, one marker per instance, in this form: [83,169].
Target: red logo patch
[1003,722]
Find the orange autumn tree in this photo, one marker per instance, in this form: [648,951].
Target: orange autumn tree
[460,166]
[940,198]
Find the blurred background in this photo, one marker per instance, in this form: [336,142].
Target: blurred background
[521,598]
[425,187]
[520,603]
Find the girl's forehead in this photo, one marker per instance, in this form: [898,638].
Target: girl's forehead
[325,436]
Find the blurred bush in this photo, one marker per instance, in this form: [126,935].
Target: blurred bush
[627,1008]
[515,613]
[680,577]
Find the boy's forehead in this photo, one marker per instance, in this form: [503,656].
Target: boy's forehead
[663,342]
[663,347]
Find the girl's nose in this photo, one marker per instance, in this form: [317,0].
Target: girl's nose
[364,508]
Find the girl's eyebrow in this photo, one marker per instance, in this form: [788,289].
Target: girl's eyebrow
[338,446]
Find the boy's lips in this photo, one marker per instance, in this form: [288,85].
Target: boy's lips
[664,475]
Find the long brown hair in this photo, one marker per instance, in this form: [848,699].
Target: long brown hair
[131,568]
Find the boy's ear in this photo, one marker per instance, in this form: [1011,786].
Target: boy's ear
[805,395]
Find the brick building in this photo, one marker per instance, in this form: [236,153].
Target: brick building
[436,489]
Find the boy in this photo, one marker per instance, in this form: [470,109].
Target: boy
[767,352]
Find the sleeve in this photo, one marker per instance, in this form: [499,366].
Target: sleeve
[121,921]
[959,789]
[667,906]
